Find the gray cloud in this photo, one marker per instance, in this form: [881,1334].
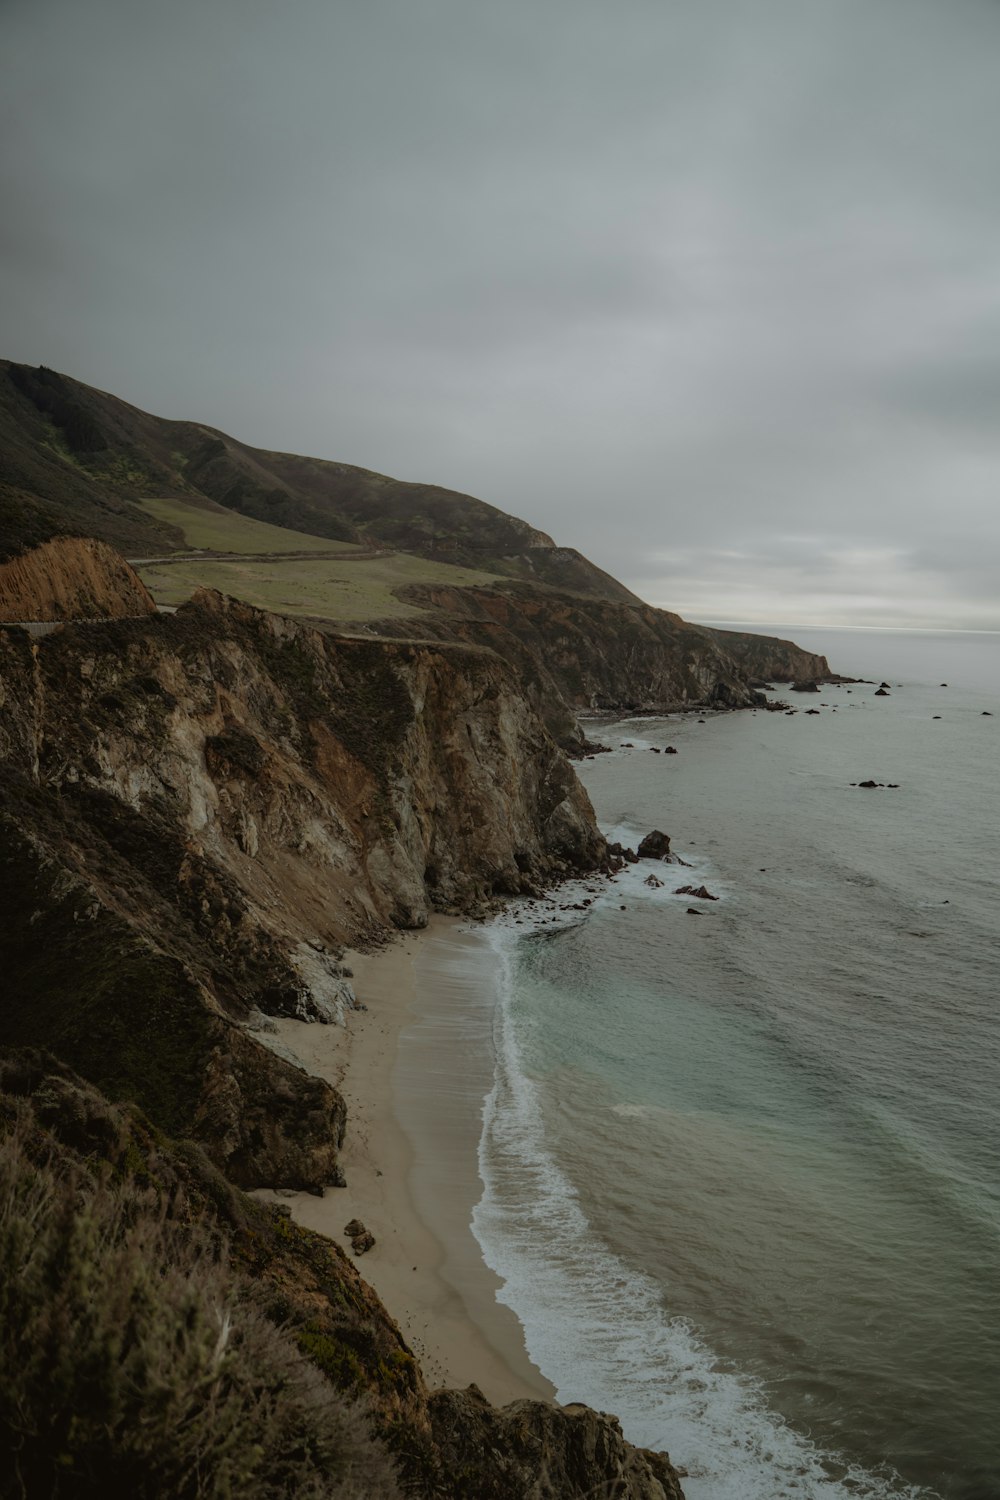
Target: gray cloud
[710,292]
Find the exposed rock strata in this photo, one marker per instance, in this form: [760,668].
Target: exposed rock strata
[604,654]
[71,578]
[199,808]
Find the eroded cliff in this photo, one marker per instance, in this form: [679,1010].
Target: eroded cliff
[201,809]
[574,652]
[71,578]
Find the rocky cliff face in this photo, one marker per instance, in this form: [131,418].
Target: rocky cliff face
[575,653]
[766,657]
[195,812]
[71,578]
[198,811]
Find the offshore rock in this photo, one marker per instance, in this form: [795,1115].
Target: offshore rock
[700,891]
[655,845]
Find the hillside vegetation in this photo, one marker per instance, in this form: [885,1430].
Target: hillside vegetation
[365,553]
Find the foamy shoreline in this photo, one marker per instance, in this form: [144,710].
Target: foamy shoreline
[414,1098]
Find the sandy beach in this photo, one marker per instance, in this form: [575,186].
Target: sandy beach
[414,1068]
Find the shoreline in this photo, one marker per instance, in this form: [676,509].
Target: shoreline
[414,1068]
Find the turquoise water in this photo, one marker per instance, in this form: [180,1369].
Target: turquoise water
[743,1168]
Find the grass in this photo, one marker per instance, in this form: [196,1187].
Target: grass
[327,588]
[346,584]
[212,528]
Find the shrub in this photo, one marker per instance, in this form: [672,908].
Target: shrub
[133,1362]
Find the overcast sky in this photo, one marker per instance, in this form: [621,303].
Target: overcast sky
[710,290]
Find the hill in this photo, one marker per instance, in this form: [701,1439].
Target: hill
[355,551]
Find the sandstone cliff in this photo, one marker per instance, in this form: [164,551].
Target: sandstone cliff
[200,809]
[71,578]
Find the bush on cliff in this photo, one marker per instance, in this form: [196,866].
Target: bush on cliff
[134,1362]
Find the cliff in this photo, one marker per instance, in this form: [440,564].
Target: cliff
[766,657]
[71,578]
[575,652]
[201,809]
[197,811]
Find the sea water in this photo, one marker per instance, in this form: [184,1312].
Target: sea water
[742,1168]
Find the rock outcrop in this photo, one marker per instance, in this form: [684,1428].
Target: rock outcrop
[71,578]
[538,1452]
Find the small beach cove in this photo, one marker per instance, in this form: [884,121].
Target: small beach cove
[414,1068]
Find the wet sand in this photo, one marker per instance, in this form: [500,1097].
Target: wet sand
[414,1069]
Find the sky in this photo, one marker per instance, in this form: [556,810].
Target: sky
[709,290]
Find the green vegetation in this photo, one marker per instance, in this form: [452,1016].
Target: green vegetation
[213,528]
[328,589]
[133,1359]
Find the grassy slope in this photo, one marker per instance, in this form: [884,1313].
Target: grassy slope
[344,582]
[212,528]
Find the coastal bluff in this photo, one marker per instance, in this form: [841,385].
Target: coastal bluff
[199,811]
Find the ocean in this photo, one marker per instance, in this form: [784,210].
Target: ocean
[742,1168]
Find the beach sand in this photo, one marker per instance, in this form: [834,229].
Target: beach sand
[414,1069]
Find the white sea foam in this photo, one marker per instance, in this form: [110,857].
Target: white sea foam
[600,1331]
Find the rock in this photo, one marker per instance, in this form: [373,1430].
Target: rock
[655,749]
[655,845]
[693,890]
[886,685]
[805,687]
[812,710]
[653,883]
[670,750]
[355,1227]
[529,1450]
[867,783]
[986,714]
[881,692]
[693,911]
[362,1243]
[936,716]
